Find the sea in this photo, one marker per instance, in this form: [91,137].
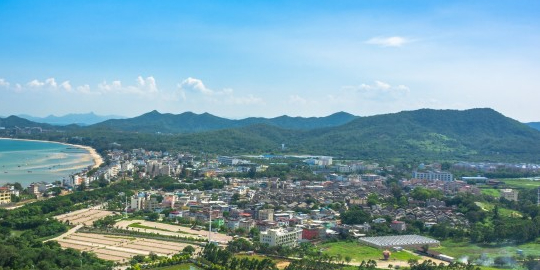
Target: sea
[35,161]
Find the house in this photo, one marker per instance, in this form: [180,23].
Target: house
[399,226]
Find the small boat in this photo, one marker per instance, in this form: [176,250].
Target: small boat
[29,171]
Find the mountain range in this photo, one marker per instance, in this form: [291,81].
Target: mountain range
[189,122]
[81,119]
[426,134]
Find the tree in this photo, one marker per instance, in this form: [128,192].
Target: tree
[188,249]
[355,215]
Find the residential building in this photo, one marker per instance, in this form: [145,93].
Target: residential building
[510,194]
[266,214]
[281,237]
[5,195]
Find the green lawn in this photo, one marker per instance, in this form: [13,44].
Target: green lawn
[360,252]
[491,192]
[179,267]
[460,249]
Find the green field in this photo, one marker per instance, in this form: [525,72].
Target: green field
[460,249]
[360,252]
[179,267]
[521,183]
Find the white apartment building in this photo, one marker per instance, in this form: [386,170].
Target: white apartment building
[281,237]
[431,175]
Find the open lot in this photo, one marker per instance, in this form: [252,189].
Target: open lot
[117,248]
[169,229]
[84,216]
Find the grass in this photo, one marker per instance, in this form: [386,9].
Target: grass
[138,225]
[460,249]
[121,237]
[359,252]
[491,192]
[179,267]
[502,211]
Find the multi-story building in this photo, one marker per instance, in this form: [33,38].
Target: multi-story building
[311,232]
[5,195]
[510,194]
[433,175]
[266,214]
[281,237]
[399,226]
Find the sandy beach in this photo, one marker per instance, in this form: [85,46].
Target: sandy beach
[98,160]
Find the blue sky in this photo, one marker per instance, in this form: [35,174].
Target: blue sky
[245,58]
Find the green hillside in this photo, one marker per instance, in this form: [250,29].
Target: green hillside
[475,135]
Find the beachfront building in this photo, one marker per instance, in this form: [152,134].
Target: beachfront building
[5,195]
[281,237]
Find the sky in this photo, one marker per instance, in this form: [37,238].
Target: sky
[238,59]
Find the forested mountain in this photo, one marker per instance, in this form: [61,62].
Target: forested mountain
[82,119]
[475,134]
[15,121]
[188,122]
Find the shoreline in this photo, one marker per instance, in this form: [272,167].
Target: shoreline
[97,159]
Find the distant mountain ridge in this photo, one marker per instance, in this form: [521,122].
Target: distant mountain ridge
[189,122]
[81,119]
[535,125]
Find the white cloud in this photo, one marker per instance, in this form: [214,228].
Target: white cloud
[388,41]
[35,83]
[143,87]
[191,86]
[49,83]
[106,87]
[4,83]
[195,85]
[66,86]
[148,84]
[85,89]
[379,90]
[296,99]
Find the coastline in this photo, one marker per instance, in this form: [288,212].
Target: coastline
[98,160]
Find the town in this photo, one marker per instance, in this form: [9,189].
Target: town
[264,199]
